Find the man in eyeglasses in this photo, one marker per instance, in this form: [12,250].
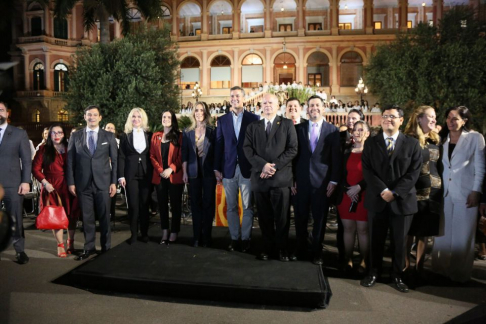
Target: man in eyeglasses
[391,166]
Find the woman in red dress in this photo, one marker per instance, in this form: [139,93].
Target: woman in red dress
[49,168]
[351,208]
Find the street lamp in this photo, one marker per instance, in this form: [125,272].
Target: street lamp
[197,92]
[361,89]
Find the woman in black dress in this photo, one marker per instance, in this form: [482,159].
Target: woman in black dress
[429,196]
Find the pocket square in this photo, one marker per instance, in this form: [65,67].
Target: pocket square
[104,143]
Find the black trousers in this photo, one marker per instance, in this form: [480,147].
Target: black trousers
[315,200]
[273,217]
[378,224]
[340,236]
[203,205]
[166,190]
[14,204]
[91,199]
[138,191]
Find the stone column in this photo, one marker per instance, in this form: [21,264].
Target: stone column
[334,65]
[205,84]
[26,71]
[301,63]
[45,23]
[438,10]
[47,69]
[236,22]
[402,15]
[334,17]
[300,10]
[268,65]
[236,68]
[175,14]
[268,28]
[117,29]
[205,14]
[368,8]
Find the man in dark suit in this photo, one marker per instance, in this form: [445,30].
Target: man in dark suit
[317,169]
[391,166]
[16,164]
[92,178]
[270,146]
[293,111]
[233,169]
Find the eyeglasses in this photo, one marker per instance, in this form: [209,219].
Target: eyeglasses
[57,133]
[392,117]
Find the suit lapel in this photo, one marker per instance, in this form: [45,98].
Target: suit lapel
[463,138]
[322,136]
[192,137]
[306,131]
[398,146]
[275,126]
[6,135]
[84,141]
[380,142]
[206,140]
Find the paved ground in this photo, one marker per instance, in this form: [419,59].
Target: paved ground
[28,296]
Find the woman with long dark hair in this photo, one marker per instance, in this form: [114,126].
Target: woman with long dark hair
[165,154]
[463,164]
[49,168]
[198,171]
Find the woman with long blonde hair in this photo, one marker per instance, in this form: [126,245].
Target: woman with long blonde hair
[425,222]
[135,171]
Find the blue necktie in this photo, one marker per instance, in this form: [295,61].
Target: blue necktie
[91,143]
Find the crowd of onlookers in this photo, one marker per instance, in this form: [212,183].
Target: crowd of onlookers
[408,182]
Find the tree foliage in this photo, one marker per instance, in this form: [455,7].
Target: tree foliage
[139,70]
[442,66]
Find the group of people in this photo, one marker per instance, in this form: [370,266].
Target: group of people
[414,184]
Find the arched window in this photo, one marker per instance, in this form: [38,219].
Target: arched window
[285,13]
[221,18]
[252,71]
[165,12]
[351,14]
[189,72]
[39,76]
[60,28]
[190,19]
[254,16]
[62,116]
[36,26]
[284,68]
[317,15]
[36,116]
[60,78]
[419,11]
[351,69]
[220,72]
[318,69]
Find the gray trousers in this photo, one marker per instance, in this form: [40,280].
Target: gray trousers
[231,187]
[14,206]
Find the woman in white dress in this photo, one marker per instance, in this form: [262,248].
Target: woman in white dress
[463,164]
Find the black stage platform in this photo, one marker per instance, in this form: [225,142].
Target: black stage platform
[211,274]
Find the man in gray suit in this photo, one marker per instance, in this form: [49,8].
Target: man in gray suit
[16,164]
[92,178]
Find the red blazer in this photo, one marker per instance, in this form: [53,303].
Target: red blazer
[174,159]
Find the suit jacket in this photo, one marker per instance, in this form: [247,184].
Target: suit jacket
[82,168]
[465,171]
[345,138]
[317,168]
[190,156]
[280,148]
[229,150]
[398,173]
[128,157]
[174,158]
[343,186]
[15,144]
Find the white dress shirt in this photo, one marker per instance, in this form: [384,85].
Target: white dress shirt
[139,143]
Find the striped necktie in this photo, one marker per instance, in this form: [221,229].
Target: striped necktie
[389,145]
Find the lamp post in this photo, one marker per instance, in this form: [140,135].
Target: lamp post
[361,89]
[197,92]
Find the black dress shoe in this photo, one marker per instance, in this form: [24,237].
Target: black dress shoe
[22,258]
[245,246]
[164,242]
[263,256]
[399,285]
[368,281]
[86,254]
[292,256]
[132,240]
[233,245]
[283,256]
[145,239]
[318,260]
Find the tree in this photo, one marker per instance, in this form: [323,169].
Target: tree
[102,10]
[442,66]
[139,70]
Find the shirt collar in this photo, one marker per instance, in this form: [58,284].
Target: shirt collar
[319,123]
[394,136]
[96,130]
[269,120]
[4,126]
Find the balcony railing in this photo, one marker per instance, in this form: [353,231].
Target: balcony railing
[39,94]
[49,40]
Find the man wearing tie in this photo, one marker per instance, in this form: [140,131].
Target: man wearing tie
[391,166]
[16,164]
[270,146]
[92,178]
[293,111]
[232,167]
[317,169]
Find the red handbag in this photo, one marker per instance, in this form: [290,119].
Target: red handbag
[52,217]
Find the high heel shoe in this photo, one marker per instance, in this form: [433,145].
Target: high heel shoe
[70,249]
[63,253]
[165,234]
